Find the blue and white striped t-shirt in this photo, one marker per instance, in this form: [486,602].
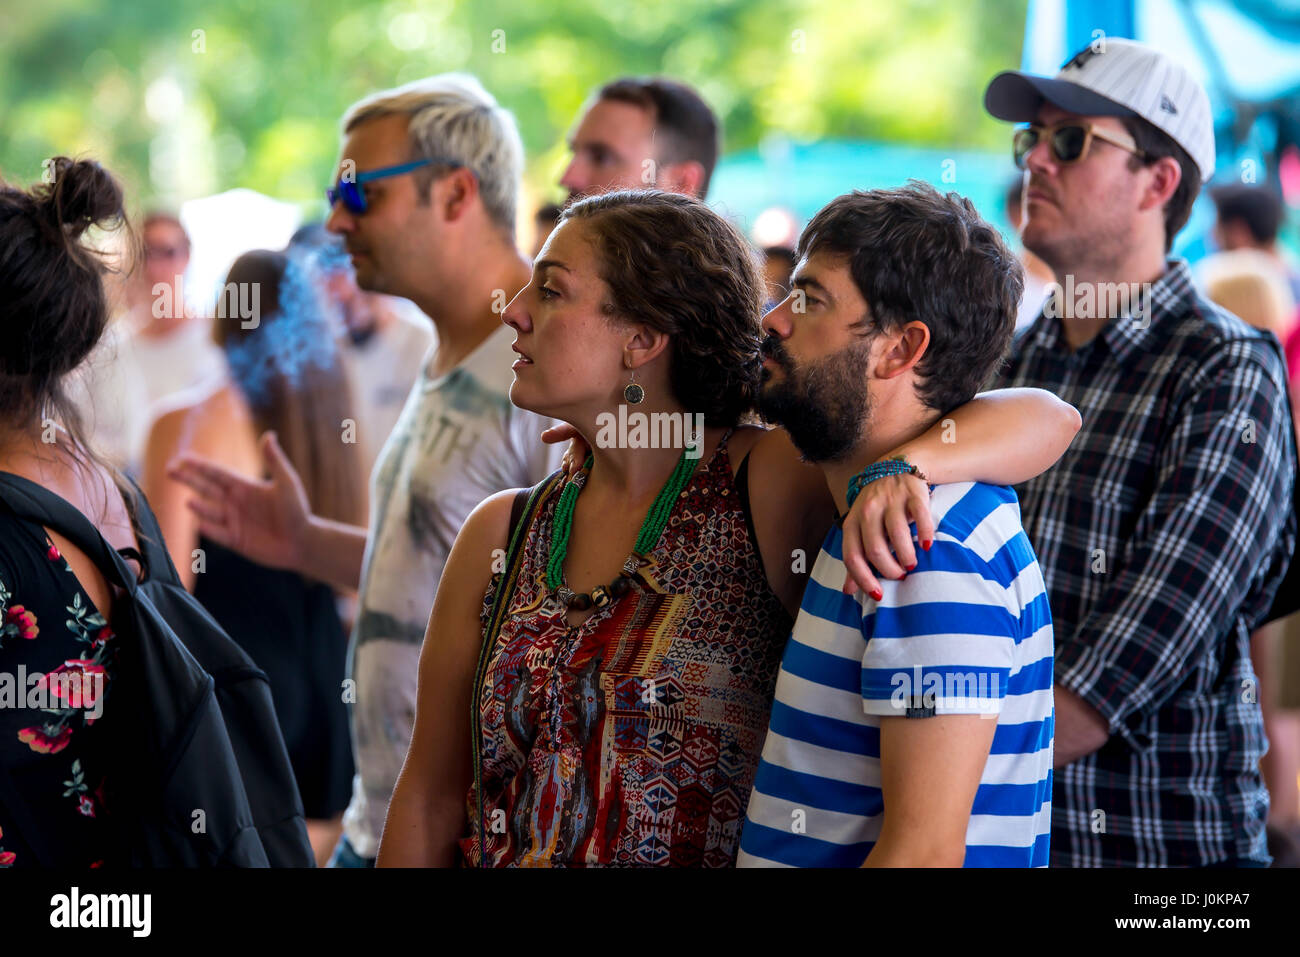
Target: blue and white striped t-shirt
[968,631]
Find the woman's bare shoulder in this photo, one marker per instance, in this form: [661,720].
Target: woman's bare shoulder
[479,542]
[82,481]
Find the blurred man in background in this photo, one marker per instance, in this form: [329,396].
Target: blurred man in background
[158,348]
[429,178]
[1251,217]
[1037,275]
[172,345]
[385,340]
[778,267]
[637,132]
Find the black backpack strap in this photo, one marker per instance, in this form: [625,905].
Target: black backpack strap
[156,560]
[517,509]
[36,504]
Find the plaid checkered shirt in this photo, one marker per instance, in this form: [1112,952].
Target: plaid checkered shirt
[1163,534]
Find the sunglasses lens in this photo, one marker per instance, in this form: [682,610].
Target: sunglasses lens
[350,194]
[354,198]
[1067,143]
[1024,141]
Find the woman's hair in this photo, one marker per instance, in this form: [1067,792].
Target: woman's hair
[51,288]
[1252,286]
[283,356]
[678,267]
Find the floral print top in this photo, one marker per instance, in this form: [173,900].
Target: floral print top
[56,667]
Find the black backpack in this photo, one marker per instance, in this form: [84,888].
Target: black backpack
[200,773]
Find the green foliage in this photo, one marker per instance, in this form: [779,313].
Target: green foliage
[182,97]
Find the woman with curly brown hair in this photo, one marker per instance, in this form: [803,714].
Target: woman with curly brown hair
[616,675]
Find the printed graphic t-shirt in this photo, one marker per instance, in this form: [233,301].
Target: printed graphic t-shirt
[381,371]
[457,441]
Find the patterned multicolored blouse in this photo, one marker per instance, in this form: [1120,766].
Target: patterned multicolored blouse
[633,738]
[56,665]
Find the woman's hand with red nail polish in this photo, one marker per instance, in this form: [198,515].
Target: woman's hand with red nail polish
[877,534]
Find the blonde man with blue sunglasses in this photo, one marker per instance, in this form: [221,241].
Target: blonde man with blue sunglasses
[424,198]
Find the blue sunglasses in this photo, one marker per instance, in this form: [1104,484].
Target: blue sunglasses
[353,197]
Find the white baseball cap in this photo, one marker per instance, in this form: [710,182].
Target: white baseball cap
[1115,77]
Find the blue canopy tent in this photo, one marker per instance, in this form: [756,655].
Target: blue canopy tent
[804,177]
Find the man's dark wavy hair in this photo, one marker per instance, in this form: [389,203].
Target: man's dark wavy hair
[916,254]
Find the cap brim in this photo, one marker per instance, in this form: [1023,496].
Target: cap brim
[1017,97]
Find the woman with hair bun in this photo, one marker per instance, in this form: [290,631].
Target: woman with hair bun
[55,605]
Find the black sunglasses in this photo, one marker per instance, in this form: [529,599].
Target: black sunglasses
[1069,142]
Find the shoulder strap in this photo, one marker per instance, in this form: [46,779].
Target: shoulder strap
[36,504]
[155,558]
[523,511]
[517,508]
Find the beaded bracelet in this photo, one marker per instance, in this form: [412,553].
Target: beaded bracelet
[898,466]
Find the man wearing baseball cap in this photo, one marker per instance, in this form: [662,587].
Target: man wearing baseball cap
[1164,531]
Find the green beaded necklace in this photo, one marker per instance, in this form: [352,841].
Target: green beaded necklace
[652,528]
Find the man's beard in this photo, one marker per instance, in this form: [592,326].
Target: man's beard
[824,407]
[1097,246]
